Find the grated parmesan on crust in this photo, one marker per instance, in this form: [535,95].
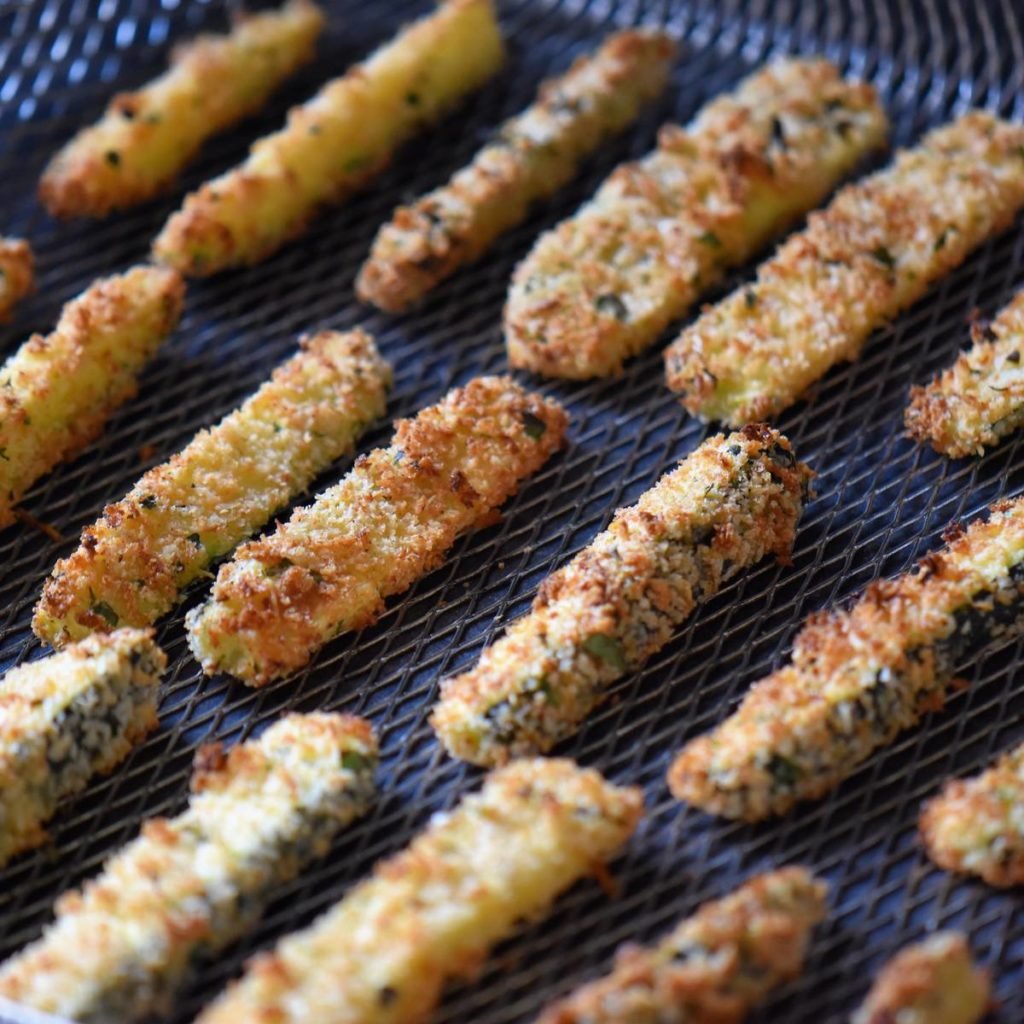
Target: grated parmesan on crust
[133,563]
[731,502]
[860,677]
[121,947]
[433,912]
[871,253]
[392,519]
[660,232]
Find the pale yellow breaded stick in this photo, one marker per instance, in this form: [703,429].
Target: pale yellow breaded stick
[66,718]
[121,947]
[329,568]
[731,502]
[976,825]
[146,138]
[871,253]
[714,967]
[134,562]
[979,400]
[336,142]
[532,156]
[17,274]
[860,676]
[57,392]
[931,982]
[660,232]
[433,912]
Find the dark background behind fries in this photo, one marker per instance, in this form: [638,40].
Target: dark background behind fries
[882,502]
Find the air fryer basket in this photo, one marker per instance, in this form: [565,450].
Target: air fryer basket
[882,501]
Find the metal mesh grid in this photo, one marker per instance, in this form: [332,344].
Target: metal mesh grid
[882,501]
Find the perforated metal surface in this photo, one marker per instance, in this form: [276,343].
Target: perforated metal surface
[882,501]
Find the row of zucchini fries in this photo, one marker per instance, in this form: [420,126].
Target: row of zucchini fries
[122,948]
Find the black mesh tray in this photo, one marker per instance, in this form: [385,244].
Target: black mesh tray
[882,501]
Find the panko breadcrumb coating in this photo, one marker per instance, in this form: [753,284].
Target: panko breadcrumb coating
[731,502]
[979,400]
[120,949]
[976,826]
[859,677]
[17,274]
[134,562]
[147,137]
[392,519]
[872,252]
[531,156]
[66,718]
[660,232]
[57,392]
[714,967]
[433,912]
[336,142]
[931,982]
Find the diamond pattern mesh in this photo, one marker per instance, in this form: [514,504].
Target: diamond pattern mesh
[882,501]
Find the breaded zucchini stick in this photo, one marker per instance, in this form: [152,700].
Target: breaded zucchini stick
[602,286]
[872,252]
[860,677]
[134,562]
[979,400]
[715,966]
[56,392]
[17,274]
[146,138]
[976,826]
[731,502]
[329,568]
[336,142]
[931,982]
[66,718]
[434,911]
[532,156]
[120,949]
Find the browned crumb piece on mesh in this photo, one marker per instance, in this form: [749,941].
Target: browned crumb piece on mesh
[17,274]
[979,400]
[392,519]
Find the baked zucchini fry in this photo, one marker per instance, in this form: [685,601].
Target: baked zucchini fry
[601,286]
[134,562]
[146,138]
[336,142]
[433,912]
[731,502]
[17,274]
[872,252]
[979,400]
[932,982]
[56,392]
[715,966]
[66,718]
[120,949]
[531,157]
[860,677]
[976,826]
[391,520]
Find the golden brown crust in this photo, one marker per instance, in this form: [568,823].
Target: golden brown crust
[601,286]
[533,155]
[391,520]
[57,392]
[859,677]
[872,252]
[17,274]
[147,137]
